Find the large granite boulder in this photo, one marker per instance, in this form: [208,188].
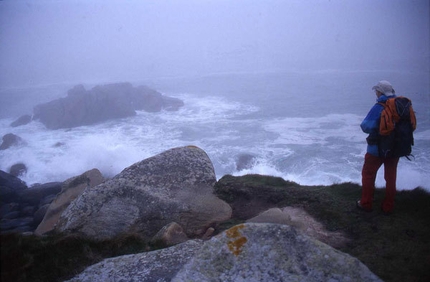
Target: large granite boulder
[271,252]
[101,103]
[174,186]
[161,265]
[248,252]
[71,189]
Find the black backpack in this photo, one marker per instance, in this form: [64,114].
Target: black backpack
[396,128]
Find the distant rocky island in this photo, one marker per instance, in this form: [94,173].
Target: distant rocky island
[99,104]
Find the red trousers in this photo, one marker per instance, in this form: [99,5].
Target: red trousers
[368,176]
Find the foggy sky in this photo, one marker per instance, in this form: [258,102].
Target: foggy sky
[80,41]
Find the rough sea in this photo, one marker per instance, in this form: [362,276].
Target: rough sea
[301,126]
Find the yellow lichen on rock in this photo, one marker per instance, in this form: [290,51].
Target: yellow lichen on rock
[235,245]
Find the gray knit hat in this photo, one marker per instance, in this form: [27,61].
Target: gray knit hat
[384,87]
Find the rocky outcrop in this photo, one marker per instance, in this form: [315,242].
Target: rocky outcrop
[101,103]
[10,187]
[271,252]
[71,189]
[174,186]
[10,140]
[22,208]
[246,252]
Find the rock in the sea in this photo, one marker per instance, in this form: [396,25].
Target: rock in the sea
[101,103]
[271,252]
[174,186]
[22,120]
[245,161]
[71,189]
[10,140]
[160,265]
[18,169]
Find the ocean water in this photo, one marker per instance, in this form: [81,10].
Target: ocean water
[301,126]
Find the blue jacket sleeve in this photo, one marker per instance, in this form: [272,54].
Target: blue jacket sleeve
[370,124]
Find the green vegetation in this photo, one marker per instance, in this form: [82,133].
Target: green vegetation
[395,247]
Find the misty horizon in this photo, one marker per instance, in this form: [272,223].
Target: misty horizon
[80,41]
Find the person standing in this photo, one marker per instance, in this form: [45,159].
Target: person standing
[372,160]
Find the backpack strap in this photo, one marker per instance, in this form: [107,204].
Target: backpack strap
[387,121]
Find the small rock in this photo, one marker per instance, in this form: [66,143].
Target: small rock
[22,120]
[18,169]
[170,235]
[10,140]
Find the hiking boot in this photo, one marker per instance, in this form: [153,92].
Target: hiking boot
[360,207]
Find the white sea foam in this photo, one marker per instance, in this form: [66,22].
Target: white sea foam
[308,131]
[311,150]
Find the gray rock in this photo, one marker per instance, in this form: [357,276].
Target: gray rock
[304,222]
[18,169]
[159,265]
[27,211]
[12,215]
[174,186]
[10,187]
[170,235]
[101,103]
[47,200]
[40,214]
[37,193]
[10,140]
[271,252]
[245,161]
[71,189]
[22,120]
[13,224]
[7,208]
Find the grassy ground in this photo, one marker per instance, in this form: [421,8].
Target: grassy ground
[395,247]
